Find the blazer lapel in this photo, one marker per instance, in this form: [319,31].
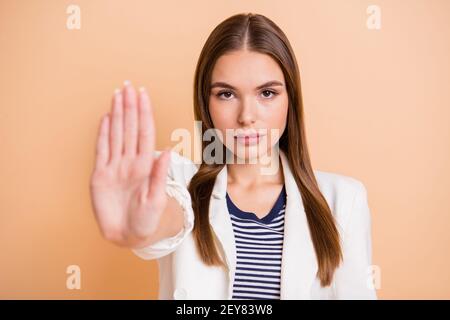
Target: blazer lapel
[299,264]
[220,221]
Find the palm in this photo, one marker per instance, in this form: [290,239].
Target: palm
[127,185]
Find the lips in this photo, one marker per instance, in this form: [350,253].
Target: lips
[243,136]
[248,139]
[248,135]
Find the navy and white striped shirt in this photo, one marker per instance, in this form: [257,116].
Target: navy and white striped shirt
[259,244]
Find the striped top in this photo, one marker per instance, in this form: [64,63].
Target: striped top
[259,244]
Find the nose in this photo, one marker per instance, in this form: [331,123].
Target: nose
[247,114]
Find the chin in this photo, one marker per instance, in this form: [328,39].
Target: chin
[248,154]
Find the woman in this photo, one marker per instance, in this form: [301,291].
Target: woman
[227,229]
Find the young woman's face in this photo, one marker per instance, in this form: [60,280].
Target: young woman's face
[248,96]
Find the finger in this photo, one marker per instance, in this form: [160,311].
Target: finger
[102,148]
[116,142]
[130,120]
[158,176]
[146,131]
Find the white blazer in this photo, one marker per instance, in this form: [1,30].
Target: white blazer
[182,274]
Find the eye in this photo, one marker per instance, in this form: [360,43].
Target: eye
[223,93]
[269,92]
[226,95]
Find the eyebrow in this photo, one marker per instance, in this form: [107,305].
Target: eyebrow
[229,86]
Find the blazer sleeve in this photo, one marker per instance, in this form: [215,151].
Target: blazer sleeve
[180,172]
[354,279]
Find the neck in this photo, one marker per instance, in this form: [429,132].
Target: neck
[254,174]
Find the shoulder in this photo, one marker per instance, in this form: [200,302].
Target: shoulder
[342,192]
[336,183]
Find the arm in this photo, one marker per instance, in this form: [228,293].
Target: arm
[353,277]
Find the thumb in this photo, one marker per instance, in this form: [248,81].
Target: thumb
[157,181]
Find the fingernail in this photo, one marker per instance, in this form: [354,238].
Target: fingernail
[117,91]
[126,83]
[141,89]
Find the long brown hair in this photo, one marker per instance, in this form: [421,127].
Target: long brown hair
[257,33]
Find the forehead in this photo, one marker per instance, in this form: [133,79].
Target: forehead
[246,68]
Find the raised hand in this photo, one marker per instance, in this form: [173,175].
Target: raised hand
[127,185]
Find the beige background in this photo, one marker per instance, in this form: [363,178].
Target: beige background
[377,108]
